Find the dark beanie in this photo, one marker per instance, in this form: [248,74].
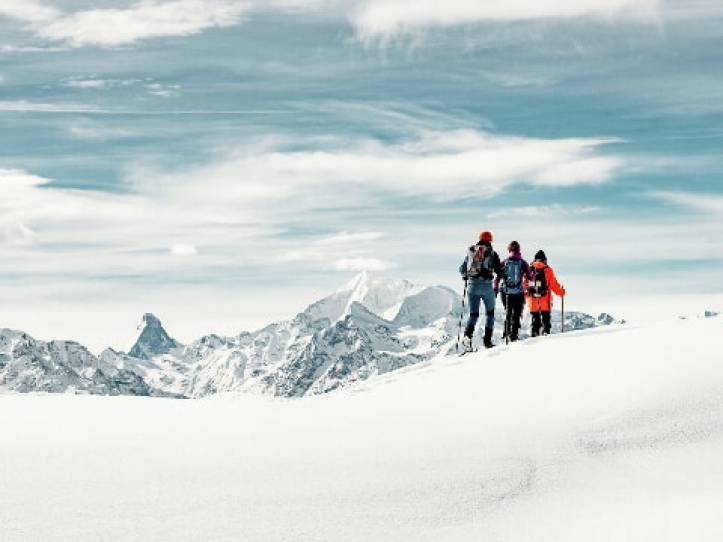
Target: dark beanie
[540,255]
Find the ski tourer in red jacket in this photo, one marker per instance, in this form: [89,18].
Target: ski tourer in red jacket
[540,307]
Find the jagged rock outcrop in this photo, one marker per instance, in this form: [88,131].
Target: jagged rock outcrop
[152,340]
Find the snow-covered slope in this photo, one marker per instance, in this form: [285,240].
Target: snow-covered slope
[607,434]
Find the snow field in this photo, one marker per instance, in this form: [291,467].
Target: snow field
[607,434]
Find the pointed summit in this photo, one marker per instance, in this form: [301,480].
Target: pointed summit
[152,339]
[382,296]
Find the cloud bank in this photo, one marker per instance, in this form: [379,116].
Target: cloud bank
[247,203]
[146,19]
[442,166]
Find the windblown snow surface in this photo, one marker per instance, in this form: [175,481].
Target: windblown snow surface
[611,434]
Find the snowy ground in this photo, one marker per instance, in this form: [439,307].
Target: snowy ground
[613,434]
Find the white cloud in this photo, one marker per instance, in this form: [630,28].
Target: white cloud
[182,249]
[147,85]
[17,183]
[145,19]
[243,208]
[706,203]
[27,10]
[89,83]
[342,174]
[22,105]
[29,49]
[347,238]
[164,91]
[542,211]
[381,18]
[93,82]
[119,26]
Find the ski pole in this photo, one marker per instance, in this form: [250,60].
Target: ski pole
[461,314]
[562,310]
[507,318]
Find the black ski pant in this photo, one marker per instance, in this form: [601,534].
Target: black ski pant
[541,319]
[514,306]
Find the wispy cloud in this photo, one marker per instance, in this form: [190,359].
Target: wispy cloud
[148,85]
[22,105]
[93,82]
[346,238]
[29,49]
[706,203]
[542,211]
[380,18]
[443,166]
[146,19]
[120,26]
[250,202]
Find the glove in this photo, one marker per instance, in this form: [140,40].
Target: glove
[510,283]
[464,278]
[563,293]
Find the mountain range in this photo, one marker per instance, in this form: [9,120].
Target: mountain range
[369,326]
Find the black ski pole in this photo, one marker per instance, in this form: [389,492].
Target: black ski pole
[507,318]
[461,314]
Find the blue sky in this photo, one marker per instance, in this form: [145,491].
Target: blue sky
[223,164]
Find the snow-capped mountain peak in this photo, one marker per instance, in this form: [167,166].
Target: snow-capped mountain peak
[152,339]
[382,296]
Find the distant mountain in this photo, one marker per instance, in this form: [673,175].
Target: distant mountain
[368,326]
[28,365]
[152,339]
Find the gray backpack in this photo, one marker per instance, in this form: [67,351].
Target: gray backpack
[480,262]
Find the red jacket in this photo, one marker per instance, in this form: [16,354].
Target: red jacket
[544,303]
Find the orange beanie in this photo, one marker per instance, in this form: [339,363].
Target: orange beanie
[485,236]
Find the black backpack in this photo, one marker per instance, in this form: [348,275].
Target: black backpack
[538,285]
